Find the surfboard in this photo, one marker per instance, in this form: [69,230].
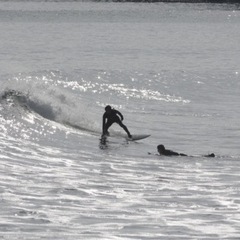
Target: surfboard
[136,137]
[105,140]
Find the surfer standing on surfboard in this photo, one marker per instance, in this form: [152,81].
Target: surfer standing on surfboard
[112,116]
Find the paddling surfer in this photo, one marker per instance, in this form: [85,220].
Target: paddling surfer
[166,152]
[112,116]
[163,151]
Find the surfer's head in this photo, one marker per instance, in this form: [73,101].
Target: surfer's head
[160,148]
[108,108]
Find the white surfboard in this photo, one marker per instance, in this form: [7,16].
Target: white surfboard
[136,137]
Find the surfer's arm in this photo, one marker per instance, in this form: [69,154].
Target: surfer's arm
[118,113]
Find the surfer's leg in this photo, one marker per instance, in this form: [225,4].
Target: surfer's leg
[125,128]
[107,126]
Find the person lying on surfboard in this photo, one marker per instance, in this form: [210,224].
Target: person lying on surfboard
[112,116]
[163,151]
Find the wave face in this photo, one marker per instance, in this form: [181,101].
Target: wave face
[51,95]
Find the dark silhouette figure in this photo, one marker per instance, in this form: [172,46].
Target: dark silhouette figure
[163,151]
[112,116]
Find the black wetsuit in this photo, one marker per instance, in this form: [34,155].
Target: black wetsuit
[163,151]
[167,152]
[112,117]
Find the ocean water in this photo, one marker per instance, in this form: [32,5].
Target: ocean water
[173,72]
